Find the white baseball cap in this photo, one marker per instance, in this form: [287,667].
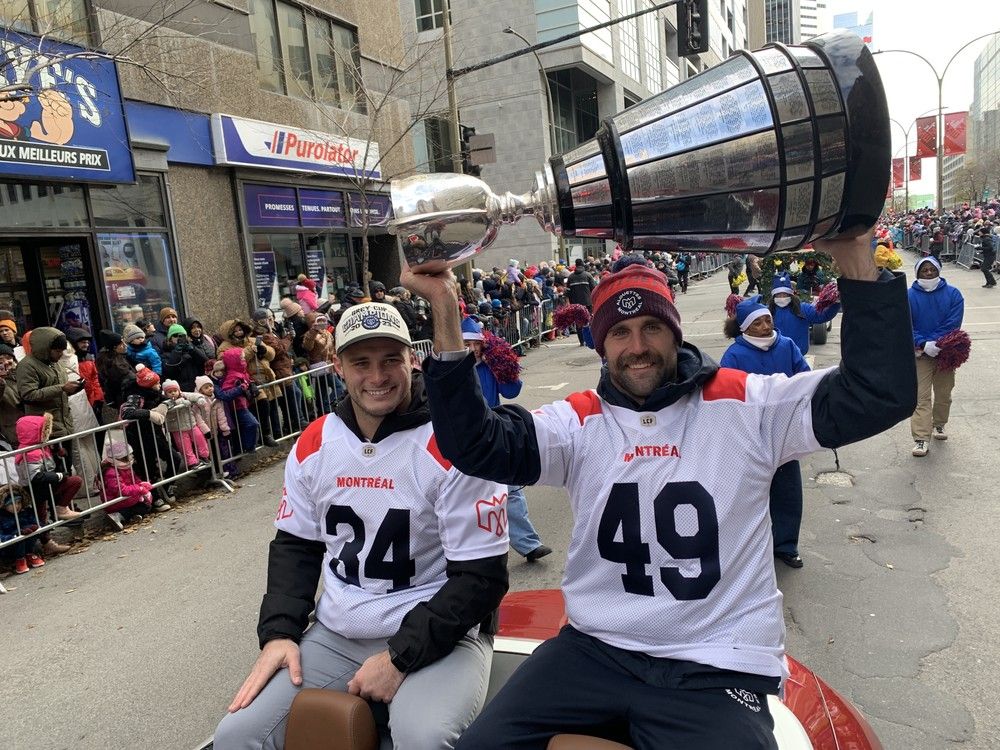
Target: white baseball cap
[370,320]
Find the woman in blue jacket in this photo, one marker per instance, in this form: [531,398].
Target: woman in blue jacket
[760,348]
[936,308]
[793,317]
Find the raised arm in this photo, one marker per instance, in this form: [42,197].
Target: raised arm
[875,385]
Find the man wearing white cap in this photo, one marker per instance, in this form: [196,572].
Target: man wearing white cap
[413,555]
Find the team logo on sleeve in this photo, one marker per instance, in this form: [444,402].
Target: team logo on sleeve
[492,515]
[285,509]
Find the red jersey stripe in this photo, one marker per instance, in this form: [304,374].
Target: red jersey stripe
[432,448]
[310,440]
[726,384]
[585,404]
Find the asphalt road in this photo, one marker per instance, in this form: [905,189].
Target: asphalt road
[141,639]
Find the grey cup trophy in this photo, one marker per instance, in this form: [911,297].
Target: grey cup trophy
[765,152]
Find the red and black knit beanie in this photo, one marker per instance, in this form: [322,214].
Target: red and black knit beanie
[633,291]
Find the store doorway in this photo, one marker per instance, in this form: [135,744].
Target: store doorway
[49,281]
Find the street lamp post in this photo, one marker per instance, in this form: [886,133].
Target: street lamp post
[561,247]
[906,154]
[940,108]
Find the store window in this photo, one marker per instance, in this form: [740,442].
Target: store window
[297,49]
[67,20]
[138,275]
[139,205]
[26,204]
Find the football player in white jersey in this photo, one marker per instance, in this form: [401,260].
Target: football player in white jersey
[413,555]
[675,631]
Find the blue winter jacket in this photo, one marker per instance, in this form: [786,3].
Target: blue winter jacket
[782,358]
[494,389]
[145,354]
[934,313]
[796,328]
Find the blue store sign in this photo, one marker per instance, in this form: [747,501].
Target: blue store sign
[68,122]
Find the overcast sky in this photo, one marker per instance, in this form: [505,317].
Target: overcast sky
[935,30]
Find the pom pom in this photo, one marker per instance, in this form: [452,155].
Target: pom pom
[829,296]
[571,315]
[955,348]
[501,358]
[731,302]
[886,257]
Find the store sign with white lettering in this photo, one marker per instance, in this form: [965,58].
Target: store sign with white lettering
[61,113]
[252,143]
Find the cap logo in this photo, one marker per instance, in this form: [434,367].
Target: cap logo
[629,302]
[370,320]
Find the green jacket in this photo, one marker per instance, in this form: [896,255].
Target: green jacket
[40,381]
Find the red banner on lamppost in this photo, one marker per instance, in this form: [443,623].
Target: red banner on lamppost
[927,136]
[897,172]
[915,166]
[954,133]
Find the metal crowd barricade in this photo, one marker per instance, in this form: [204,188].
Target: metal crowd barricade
[31,508]
[423,348]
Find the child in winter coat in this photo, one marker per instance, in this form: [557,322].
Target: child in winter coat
[16,519]
[213,413]
[140,350]
[145,408]
[121,481]
[186,424]
[305,293]
[37,469]
[236,389]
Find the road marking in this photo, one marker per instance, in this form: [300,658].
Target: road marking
[551,387]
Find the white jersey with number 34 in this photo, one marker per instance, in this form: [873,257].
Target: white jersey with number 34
[671,552]
[390,513]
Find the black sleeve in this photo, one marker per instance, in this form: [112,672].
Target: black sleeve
[470,596]
[293,568]
[875,385]
[495,444]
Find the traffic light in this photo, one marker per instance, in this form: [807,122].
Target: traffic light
[467,165]
[692,27]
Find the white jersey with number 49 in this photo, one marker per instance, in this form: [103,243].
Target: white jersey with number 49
[390,514]
[671,552]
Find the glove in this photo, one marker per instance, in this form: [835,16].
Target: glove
[146,486]
[59,476]
[931,349]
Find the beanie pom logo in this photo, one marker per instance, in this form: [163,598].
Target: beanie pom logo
[629,302]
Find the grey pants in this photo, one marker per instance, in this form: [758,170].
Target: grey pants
[430,711]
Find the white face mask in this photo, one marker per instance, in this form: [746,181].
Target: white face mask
[762,342]
[929,285]
[782,301]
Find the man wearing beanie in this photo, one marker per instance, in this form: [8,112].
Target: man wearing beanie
[413,556]
[182,361]
[8,332]
[579,286]
[669,582]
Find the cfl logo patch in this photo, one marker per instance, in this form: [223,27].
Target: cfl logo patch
[629,302]
[368,451]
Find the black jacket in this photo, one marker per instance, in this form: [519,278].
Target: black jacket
[183,363]
[873,389]
[579,285]
[430,630]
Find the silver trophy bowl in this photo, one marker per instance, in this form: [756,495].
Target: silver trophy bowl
[765,152]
